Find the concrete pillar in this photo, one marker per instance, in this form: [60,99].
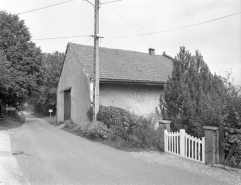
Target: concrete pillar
[166,124]
[163,124]
[211,145]
[221,149]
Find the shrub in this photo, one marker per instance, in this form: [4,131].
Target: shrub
[59,123]
[129,130]
[232,127]
[95,130]
[69,124]
[19,117]
[108,115]
[120,129]
[143,131]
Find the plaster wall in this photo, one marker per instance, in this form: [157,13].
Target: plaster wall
[140,99]
[73,77]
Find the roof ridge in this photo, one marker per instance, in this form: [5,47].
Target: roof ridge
[125,65]
[71,43]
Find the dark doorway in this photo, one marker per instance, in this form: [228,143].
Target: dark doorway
[67,105]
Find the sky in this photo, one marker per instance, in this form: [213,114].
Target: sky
[218,41]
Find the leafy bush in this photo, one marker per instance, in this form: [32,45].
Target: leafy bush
[19,117]
[129,130]
[2,110]
[120,129]
[69,124]
[59,123]
[108,115]
[232,127]
[143,132]
[95,130]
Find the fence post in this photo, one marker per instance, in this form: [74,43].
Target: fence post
[166,124]
[165,140]
[182,142]
[211,145]
[163,125]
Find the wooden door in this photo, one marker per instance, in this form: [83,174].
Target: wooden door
[67,105]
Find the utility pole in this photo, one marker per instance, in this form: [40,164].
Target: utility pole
[96,62]
[96,36]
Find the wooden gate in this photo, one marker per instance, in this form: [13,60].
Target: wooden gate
[184,145]
[67,105]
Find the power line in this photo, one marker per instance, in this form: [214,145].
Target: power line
[128,24]
[146,33]
[139,25]
[88,40]
[62,37]
[110,2]
[151,33]
[45,7]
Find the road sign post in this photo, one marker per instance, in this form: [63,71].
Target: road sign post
[50,110]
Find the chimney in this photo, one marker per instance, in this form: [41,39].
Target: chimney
[151,51]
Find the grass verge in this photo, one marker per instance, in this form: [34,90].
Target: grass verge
[9,123]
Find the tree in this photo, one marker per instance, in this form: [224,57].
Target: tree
[5,81]
[193,97]
[5,78]
[232,123]
[23,57]
[51,70]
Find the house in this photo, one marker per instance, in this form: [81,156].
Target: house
[128,79]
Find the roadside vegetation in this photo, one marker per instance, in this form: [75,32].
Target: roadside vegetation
[13,120]
[118,128]
[28,77]
[194,97]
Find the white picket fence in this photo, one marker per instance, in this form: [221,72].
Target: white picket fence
[184,145]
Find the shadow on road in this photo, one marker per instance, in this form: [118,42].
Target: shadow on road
[9,123]
[52,120]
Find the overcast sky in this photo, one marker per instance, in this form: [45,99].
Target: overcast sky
[219,41]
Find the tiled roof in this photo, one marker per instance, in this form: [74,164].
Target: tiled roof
[123,65]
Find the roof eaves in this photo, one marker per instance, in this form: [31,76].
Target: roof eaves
[105,80]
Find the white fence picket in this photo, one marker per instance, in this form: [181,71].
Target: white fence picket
[199,149]
[184,145]
[189,146]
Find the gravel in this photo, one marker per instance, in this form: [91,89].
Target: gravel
[227,176]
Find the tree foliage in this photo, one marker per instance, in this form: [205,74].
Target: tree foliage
[21,65]
[5,78]
[232,122]
[193,97]
[51,69]
[26,74]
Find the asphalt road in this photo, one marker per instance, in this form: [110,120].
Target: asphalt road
[48,155]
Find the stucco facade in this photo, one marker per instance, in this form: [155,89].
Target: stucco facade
[73,77]
[140,99]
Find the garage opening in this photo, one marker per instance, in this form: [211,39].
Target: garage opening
[67,105]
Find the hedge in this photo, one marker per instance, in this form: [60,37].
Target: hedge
[108,115]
